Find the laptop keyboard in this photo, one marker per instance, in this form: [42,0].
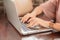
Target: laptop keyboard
[24,27]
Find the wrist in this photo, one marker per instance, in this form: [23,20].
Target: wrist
[51,24]
[34,14]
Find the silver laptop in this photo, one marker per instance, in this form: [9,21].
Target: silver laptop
[14,19]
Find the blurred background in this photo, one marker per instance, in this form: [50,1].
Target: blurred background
[1,7]
[35,3]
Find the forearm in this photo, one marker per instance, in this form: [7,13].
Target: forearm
[37,11]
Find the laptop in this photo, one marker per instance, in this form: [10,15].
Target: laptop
[15,21]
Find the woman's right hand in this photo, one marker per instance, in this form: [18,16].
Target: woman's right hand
[27,17]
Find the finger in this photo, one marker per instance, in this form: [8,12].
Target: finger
[22,19]
[31,19]
[25,18]
[31,24]
[35,26]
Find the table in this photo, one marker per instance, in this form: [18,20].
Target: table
[8,32]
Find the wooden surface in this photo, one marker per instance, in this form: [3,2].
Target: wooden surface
[7,32]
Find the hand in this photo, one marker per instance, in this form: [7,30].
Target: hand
[33,22]
[26,17]
[37,21]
